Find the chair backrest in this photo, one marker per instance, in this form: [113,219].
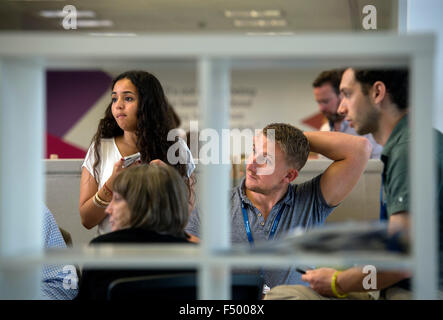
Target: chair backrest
[180,287]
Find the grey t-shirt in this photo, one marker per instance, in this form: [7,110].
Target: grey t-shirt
[305,208]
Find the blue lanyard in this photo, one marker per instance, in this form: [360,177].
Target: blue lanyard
[274,225]
[383,209]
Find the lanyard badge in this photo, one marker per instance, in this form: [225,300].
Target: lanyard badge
[273,229]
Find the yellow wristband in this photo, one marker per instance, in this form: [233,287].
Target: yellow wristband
[334,286]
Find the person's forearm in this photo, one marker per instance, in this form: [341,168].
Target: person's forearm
[352,280]
[338,146]
[91,215]
[350,155]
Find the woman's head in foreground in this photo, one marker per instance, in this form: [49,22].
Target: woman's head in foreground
[151,197]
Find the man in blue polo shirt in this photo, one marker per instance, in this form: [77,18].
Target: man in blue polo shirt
[267,206]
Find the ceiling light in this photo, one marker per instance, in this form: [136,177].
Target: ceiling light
[288,33]
[93,23]
[260,23]
[61,14]
[35,0]
[252,14]
[112,34]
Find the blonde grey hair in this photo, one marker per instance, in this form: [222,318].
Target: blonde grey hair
[157,198]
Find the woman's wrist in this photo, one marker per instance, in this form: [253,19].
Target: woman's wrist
[99,202]
[105,193]
[107,190]
[110,182]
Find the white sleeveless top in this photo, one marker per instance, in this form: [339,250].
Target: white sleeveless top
[109,155]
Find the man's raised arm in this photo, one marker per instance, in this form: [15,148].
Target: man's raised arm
[350,154]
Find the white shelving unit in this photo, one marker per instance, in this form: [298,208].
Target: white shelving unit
[24,57]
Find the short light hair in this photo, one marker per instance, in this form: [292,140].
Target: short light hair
[157,198]
[292,142]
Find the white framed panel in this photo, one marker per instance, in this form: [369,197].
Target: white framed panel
[75,50]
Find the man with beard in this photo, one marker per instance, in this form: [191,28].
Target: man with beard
[327,96]
[267,206]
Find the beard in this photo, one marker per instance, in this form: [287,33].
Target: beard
[369,122]
[334,117]
[252,187]
[255,187]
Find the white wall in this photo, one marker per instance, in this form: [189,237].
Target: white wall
[427,16]
[259,97]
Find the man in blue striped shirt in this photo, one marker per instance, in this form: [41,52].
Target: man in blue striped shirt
[58,282]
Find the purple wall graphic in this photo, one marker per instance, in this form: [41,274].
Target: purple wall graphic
[69,96]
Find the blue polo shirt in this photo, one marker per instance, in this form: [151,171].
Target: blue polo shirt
[304,207]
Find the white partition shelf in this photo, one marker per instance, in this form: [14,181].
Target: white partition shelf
[24,58]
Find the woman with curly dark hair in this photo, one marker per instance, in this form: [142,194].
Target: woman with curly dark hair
[138,119]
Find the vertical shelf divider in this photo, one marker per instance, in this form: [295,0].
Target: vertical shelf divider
[423,179]
[214,103]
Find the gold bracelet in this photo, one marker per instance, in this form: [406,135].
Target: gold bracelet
[96,203]
[99,202]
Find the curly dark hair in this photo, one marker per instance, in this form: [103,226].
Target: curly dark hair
[154,121]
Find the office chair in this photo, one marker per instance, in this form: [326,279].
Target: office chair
[180,287]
